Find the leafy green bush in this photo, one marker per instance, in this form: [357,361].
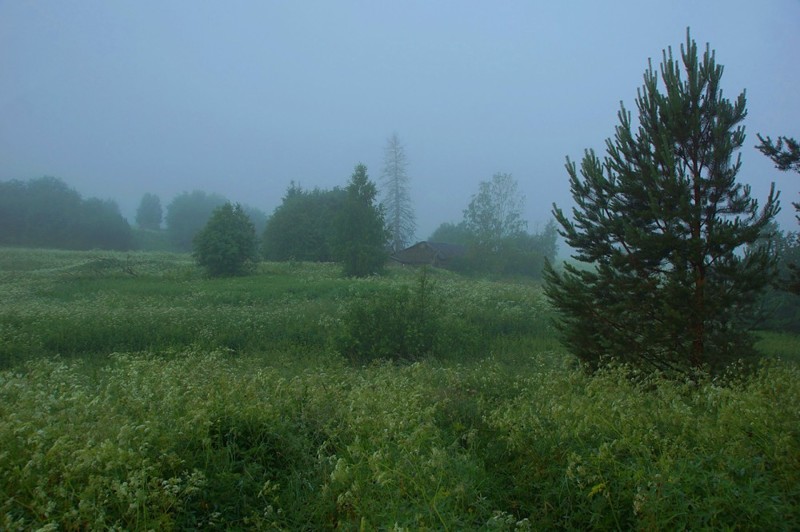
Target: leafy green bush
[227,244]
[303,441]
[392,324]
[237,415]
[301,227]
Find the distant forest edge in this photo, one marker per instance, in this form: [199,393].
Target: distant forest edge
[48,213]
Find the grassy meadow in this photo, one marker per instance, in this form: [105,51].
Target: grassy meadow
[137,394]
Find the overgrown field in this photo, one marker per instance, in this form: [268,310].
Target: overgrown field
[136,394]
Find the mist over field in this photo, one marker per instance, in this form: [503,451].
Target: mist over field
[293,265]
[239,99]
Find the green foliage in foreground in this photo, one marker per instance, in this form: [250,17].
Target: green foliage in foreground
[195,439]
[395,324]
[184,402]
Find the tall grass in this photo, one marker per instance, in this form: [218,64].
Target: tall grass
[89,305]
[138,394]
[198,439]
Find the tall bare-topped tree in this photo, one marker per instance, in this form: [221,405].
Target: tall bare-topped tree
[665,230]
[396,200]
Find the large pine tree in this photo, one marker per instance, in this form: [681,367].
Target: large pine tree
[663,227]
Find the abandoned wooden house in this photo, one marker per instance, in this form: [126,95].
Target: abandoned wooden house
[438,254]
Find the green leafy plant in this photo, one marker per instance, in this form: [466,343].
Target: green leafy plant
[182,402]
[392,324]
[227,244]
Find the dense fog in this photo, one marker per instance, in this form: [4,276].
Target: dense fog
[241,99]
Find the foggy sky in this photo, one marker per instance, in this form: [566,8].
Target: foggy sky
[239,98]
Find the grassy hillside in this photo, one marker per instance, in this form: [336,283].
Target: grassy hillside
[137,394]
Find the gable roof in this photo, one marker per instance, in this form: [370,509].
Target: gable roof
[448,250]
[429,253]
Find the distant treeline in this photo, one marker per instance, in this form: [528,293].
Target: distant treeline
[301,229]
[46,212]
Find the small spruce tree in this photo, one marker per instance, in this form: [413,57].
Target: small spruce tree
[361,234]
[227,244]
[665,230]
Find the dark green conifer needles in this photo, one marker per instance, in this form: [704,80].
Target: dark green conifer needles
[662,226]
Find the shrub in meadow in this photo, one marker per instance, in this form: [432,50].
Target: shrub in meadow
[227,244]
[394,323]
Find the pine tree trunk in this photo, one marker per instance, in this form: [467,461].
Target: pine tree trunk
[698,314]
[698,325]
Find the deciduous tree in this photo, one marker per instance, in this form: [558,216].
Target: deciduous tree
[495,212]
[46,212]
[663,227]
[302,227]
[452,234]
[187,214]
